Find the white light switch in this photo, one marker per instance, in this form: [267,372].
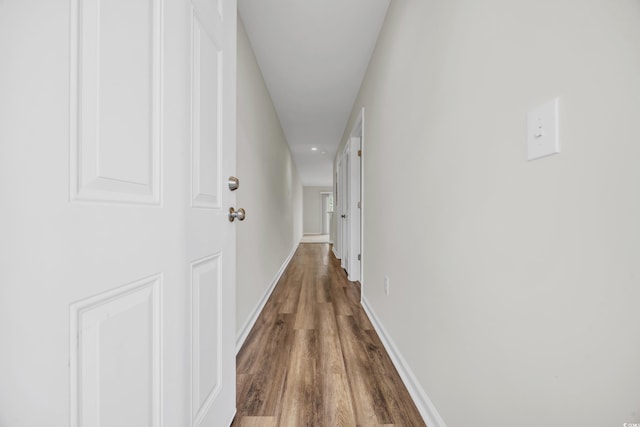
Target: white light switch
[543,131]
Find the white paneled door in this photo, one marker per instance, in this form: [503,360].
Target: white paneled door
[117,258]
[353,179]
[345,191]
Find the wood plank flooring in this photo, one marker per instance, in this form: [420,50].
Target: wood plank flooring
[314,359]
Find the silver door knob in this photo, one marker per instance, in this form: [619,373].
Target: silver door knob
[239,214]
[234,183]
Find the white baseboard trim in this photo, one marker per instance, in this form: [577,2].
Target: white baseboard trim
[335,254]
[244,332]
[419,396]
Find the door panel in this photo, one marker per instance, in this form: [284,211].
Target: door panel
[206,63]
[115,94]
[112,336]
[206,344]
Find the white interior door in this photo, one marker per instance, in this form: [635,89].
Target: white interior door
[354,209]
[326,212]
[117,261]
[337,209]
[324,206]
[344,201]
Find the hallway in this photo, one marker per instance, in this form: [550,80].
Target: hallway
[314,359]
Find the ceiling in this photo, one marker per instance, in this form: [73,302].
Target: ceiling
[313,55]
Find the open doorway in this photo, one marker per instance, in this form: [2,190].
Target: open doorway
[317,204]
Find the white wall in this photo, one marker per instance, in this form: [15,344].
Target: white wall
[514,285]
[312,208]
[270,188]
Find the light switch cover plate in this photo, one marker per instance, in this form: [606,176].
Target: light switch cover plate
[543,131]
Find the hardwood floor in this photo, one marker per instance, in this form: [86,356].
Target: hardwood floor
[313,358]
